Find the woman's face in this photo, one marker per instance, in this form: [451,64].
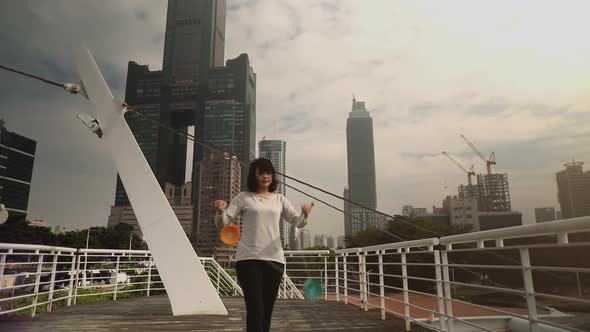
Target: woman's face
[264,179]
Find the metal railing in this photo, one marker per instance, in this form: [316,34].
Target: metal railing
[476,281]
[34,278]
[531,275]
[303,265]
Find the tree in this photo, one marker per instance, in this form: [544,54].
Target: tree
[18,230]
[405,228]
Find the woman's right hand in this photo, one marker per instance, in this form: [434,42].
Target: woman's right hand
[220,205]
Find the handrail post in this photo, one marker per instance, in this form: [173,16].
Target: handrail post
[116,278]
[78,258]
[325,278]
[37,281]
[361,278]
[149,280]
[218,276]
[345,268]
[529,288]
[2,264]
[402,251]
[448,294]
[337,276]
[52,281]
[439,289]
[381,283]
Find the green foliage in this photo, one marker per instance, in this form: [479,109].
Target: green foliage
[20,231]
[405,228]
[117,237]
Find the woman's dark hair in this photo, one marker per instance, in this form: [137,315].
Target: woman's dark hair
[263,165]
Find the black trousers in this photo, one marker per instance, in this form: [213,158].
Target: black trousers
[260,281]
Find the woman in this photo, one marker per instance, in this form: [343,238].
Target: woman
[260,262]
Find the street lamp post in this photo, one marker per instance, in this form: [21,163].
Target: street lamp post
[87,237]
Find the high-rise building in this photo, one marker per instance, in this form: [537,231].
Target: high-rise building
[294,237]
[462,211]
[276,151]
[220,179]
[361,166]
[230,110]
[494,192]
[17,156]
[194,43]
[407,210]
[544,214]
[347,213]
[410,211]
[143,91]
[194,40]
[320,240]
[305,238]
[194,88]
[330,242]
[180,201]
[573,190]
[341,242]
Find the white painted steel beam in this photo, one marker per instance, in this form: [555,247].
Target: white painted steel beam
[187,284]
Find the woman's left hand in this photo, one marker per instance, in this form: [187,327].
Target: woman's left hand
[307,208]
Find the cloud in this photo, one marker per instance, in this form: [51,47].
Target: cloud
[502,76]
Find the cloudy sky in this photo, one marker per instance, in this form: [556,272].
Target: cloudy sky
[511,76]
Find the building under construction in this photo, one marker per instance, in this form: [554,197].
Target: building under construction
[494,194]
[469,190]
[492,190]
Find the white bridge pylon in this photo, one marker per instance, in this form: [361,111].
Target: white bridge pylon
[188,287]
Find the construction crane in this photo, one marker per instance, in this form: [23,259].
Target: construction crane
[489,162]
[469,172]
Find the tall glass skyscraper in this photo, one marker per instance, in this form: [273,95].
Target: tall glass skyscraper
[17,156]
[230,110]
[276,151]
[195,40]
[194,88]
[361,167]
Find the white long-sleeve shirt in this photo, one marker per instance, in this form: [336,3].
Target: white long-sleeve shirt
[260,215]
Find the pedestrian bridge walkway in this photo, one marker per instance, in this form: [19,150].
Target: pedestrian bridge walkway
[524,278]
[154,314]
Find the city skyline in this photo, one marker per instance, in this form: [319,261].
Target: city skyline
[513,95]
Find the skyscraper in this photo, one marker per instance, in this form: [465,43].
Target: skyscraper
[573,190]
[194,41]
[347,213]
[220,179]
[230,110]
[17,156]
[276,151]
[361,166]
[305,238]
[143,91]
[194,88]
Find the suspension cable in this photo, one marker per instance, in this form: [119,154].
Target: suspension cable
[75,89]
